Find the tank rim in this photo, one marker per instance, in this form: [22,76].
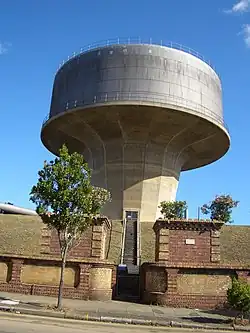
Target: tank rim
[135,41]
[75,106]
[99,105]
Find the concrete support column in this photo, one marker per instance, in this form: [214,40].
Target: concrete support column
[154,191]
[140,176]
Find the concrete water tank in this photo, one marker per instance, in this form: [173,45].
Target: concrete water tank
[140,114]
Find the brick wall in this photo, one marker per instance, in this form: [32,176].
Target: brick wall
[186,241]
[87,276]
[45,274]
[87,271]
[82,250]
[91,244]
[193,287]
[198,251]
[187,271]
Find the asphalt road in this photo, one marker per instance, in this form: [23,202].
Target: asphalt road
[29,324]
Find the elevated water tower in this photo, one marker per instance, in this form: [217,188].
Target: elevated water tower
[140,114]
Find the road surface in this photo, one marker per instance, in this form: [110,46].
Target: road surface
[29,324]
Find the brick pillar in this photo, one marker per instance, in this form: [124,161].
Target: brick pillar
[215,246]
[45,240]
[172,275]
[162,244]
[98,242]
[103,248]
[84,278]
[16,270]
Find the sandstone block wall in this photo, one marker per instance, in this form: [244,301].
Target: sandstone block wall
[86,279]
[49,275]
[195,287]
[195,283]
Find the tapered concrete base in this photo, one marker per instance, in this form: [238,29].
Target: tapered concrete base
[137,151]
[154,192]
[151,193]
[139,175]
[144,196]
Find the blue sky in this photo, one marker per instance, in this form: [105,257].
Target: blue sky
[35,36]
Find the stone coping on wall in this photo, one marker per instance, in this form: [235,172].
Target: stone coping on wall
[58,259]
[189,220]
[98,219]
[188,224]
[195,266]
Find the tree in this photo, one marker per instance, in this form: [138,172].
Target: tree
[238,297]
[220,209]
[67,202]
[173,209]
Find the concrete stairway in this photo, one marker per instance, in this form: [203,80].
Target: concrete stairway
[128,280]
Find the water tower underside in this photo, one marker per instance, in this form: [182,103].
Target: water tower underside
[137,150]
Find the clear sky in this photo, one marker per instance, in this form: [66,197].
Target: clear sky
[35,36]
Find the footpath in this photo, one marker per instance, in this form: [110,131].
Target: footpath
[118,312]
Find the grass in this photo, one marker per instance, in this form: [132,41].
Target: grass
[21,235]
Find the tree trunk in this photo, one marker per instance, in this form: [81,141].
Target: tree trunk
[60,289]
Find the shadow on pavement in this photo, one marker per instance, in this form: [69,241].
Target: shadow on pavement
[222,312]
[4,298]
[35,304]
[206,320]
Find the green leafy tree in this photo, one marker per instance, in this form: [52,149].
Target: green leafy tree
[238,297]
[220,209]
[173,209]
[67,202]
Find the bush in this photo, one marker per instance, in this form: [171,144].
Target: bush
[238,297]
[220,209]
[173,209]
